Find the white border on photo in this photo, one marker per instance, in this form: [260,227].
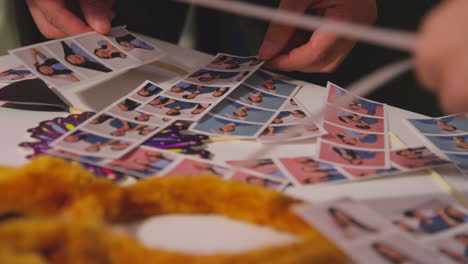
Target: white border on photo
[287,137]
[282,106]
[228,170]
[209,115]
[282,183]
[218,82]
[278,77]
[249,106]
[4,80]
[200,98]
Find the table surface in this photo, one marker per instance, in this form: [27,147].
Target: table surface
[184,233]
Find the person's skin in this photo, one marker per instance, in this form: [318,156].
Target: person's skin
[198,110]
[228,127]
[441,56]
[76,59]
[241,111]
[324,51]
[269,84]
[402,225]
[143,117]
[297,114]
[444,126]
[392,253]
[463,239]
[256,98]
[256,181]
[460,142]
[59,19]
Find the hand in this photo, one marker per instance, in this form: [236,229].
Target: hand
[441,55]
[58,18]
[323,51]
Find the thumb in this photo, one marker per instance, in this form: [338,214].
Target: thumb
[278,35]
[98,14]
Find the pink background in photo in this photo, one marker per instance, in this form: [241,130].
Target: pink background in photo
[130,160]
[361,173]
[379,111]
[327,154]
[242,177]
[334,130]
[332,116]
[294,168]
[188,167]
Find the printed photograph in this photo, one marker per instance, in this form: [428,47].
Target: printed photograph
[100,47]
[364,173]
[78,58]
[134,46]
[290,117]
[450,143]
[219,126]
[125,110]
[257,98]
[353,138]
[453,247]
[197,93]
[306,170]
[351,157]
[391,249]
[415,158]
[236,111]
[267,83]
[89,144]
[15,74]
[460,159]
[259,181]
[192,167]
[230,62]
[47,67]
[108,125]
[143,162]
[212,77]
[265,166]
[291,105]
[355,121]
[168,107]
[430,217]
[272,133]
[454,124]
[344,220]
[359,105]
[144,94]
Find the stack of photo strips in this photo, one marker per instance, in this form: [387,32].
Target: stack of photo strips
[447,136]
[261,107]
[73,61]
[428,231]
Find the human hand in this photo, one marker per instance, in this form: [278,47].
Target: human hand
[323,51]
[441,55]
[58,18]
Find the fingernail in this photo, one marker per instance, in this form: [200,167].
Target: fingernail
[100,25]
[266,50]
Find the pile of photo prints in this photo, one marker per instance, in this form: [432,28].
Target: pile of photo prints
[447,136]
[424,231]
[73,61]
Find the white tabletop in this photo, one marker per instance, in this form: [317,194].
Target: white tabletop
[386,191]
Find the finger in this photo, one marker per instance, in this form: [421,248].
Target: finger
[56,14]
[278,35]
[49,31]
[98,14]
[323,53]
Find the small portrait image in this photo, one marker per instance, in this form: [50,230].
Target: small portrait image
[358,105]
[108,125]
[230,62]
[352,157]
[146,92]
[215,125]
[143,162]
[236,111]
[392,248]
[415,158]
[125,110]
[257,180]
[48,67]
[257,98]
[103,50]
[344,220]
[265,166]
[290,117]
[291,105]
[354,138]
[221,78]
[355,121]
[365,173]
[453,247]
[272,133]
[130,44]
[192,167]
[460,159]
[169,107]
[265,82]
[430,217]
[15,74]
[89,144]
[448,125]
[455,143]
[78,59]
[196,93]
[306,170]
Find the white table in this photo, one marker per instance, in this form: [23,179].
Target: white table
[185,232]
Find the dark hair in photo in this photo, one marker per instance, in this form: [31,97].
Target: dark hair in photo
[87,64]
[333,212]
[49,62]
